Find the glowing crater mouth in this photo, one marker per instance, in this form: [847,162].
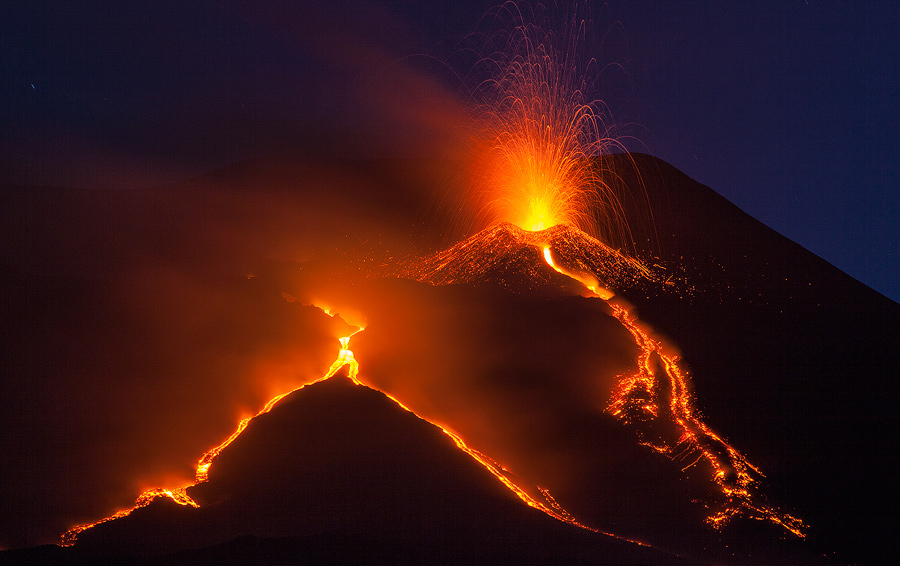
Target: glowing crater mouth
[540,216]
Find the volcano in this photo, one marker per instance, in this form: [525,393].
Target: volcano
[712,393]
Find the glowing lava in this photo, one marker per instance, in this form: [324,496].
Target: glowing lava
[543,502]
[640,400]
[179,494]
[654,400]
[585,279]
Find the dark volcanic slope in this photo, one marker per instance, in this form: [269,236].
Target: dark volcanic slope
[793,360]
[347,475]
[528,377]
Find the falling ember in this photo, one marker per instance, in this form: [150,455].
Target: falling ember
[535,131]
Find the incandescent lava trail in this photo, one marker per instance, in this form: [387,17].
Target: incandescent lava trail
[653,400]
[541,189]
[535,497]
[179,494]
[639,400]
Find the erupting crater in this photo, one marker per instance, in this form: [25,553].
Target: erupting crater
[654,399]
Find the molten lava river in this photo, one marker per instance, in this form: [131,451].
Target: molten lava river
[644,397]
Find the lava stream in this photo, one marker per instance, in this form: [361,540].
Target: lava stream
[179,494]
[635,399]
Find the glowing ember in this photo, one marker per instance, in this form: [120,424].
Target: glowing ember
[505,247]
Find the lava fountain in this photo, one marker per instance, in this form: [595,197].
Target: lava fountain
[535,130]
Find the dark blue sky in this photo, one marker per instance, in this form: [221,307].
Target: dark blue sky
[788,109]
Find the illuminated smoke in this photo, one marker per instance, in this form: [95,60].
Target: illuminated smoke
[533,496]
[179,494]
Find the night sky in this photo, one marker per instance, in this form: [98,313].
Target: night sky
[788,109]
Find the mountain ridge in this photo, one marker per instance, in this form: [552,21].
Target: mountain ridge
[359,492]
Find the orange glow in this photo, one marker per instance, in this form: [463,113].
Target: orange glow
[657,392]
[471,259]
[542,501]
[345,358]
[179,494]
[546,503]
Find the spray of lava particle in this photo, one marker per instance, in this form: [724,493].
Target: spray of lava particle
[536,127]
[538,130]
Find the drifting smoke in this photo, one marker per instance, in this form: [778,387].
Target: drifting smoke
[151,321]
[147,322]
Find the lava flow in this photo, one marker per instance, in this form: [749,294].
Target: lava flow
[544,191]
[179,494]
[639,400]
[541,193]
[543,502]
